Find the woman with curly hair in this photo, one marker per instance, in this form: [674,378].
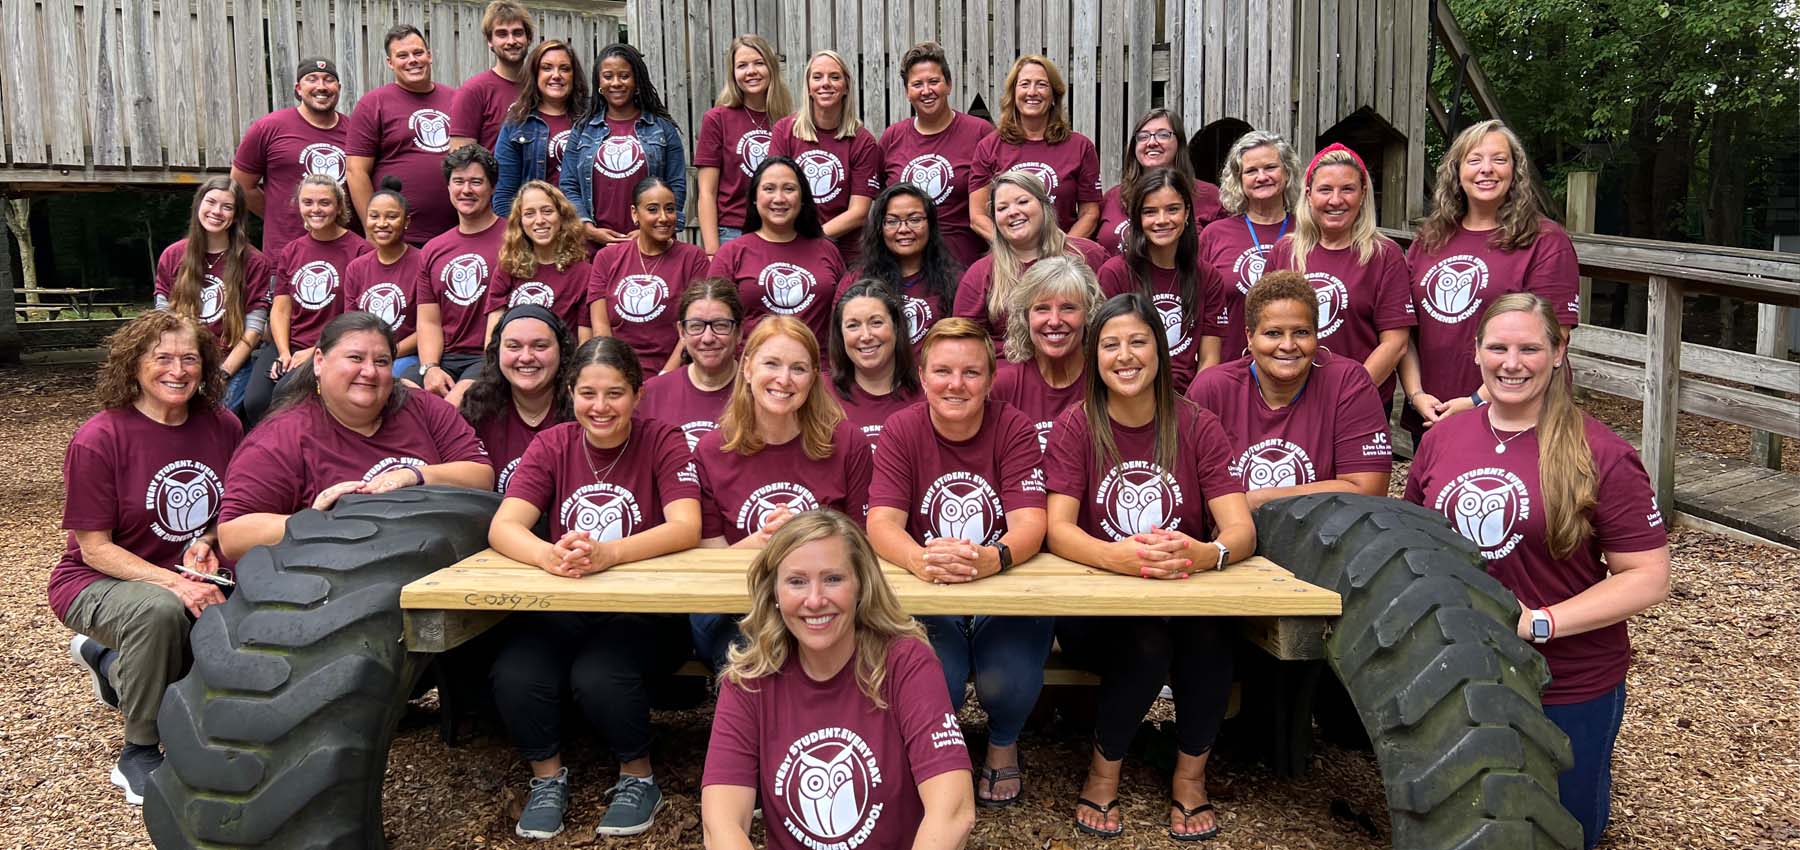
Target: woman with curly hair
[905,246]
[216,276]
[832,682]
[626,135]
[141,485]
[521,389]
[536,132]
[543,259]
[1025,232]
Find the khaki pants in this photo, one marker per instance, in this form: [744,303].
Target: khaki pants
[148,627]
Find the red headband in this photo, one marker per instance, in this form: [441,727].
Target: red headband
[1332,148]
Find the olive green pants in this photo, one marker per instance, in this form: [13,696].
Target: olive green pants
[148,627]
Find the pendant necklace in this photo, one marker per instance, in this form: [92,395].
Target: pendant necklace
[599,476]
[1500,445]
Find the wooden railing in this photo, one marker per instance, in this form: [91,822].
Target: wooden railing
[1669,376]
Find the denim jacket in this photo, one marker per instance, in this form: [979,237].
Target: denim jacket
[523,150]
[663,154]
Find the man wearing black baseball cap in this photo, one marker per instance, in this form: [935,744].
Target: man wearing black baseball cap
[280,148]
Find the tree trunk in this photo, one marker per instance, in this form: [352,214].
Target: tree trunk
[18,220]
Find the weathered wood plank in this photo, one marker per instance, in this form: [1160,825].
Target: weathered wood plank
[1257,109]
[379,18]
[104,88]
[1330,69]
[442,631]
[315,28]
[1237,60]
[792,34]
[1059,17]
[1084,57]
[252,96]
[724,29]
[1004,35]
[1384,58]
[1213,82]
[1415,149]
[472,52]
[1771,342]
[1287,638]
[213,45]
[1367,38]
[1727,404]
[1740,500]
[63,82]
[25,83]
[871,39]
[1756,370]
[1281,66]
[440,33]
[1346,59]
[1174,36]
[873,86]
[1661,398]
[978,64]
[1028,20]
[902,32]
[678,71]
[1113,39]
[175,64]
[352,53]
[1142,40]
[284,54]
[1306,119]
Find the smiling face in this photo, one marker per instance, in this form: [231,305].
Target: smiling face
[928,89]
[712,352]
[750,70]
[780,375]
[1517,359]
[1486,172]
[1056,324]
[218,209]
[1284,340]
[386,221]
[869,334]
[410,60]
[357,375]
[617,84]
[778,197]
[318,91]
[1154,144]
[555,77]
[169,373]
[538,216]
[1018,216]
[603,402]
[910,227]
[826,83]
[956,376]
[1336,198]
[1264,177]
[528,356]
[510,41]
[1032,94]
[1164,217]
[318,207]
[1127,356]
[470,190]
[816,590]
[655,212]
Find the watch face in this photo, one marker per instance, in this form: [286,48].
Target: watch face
[1540,628]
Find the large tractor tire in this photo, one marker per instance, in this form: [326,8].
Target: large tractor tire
[279,736]
[1427,649]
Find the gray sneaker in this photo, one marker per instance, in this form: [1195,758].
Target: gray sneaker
[132,773]
[633,807]
[544,806]
[90,655]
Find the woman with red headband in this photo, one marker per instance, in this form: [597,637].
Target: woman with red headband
[1358,275]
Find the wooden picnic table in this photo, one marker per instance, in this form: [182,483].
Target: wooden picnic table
[79,300]
[1283,614]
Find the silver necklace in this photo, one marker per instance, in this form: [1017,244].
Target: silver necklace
[1500,445]
[588,456]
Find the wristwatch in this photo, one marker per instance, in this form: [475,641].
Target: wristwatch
[1005,555]
[1542,626]
[425,369]
[1224,552]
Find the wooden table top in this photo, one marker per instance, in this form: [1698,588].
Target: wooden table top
[711,581]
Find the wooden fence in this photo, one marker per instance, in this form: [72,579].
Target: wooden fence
[158,91]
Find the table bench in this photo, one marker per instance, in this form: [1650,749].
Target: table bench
[80,301]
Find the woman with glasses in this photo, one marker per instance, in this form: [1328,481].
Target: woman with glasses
[1158,141]
[906,247]
[693,395]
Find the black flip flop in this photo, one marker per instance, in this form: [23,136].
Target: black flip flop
[1104,811]
[1000,774]
[1186,814]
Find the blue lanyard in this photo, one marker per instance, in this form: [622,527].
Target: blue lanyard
[1278,234]
[1292,401]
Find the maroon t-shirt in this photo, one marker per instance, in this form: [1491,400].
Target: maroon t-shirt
[154,486]
[739,491]
[294,455]
[972,291]
[940,165]
[258,275]
[312,273]
[283,147]
[922,308]
[505,437]
[387,291]
[457,271]
[795,278]
[1115,219]
[830,768]
[735,140]
[1454,284]
[637,479]
[1070,170]
[1183,337]
[1136,495]
[561,291]
[1356,301]
[1023,386]
[641,294]
[480,105]
[1336,425]
[1227,247]
[407,134]
[671,397]
[561,127]
[869,413]
[619,164]
[836,169]
[951,488]
[1497,501]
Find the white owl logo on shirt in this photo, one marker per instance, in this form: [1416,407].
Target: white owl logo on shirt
[1453,287]
[315,284]
[182,497]
[386,301]
[605,511]
[640,297]
[430,129]
[1135,497]
[212,300]
[464,278]
[932,174]
[964,506]
[752,149]
[824,173]
[825,783]
[620,157]
[1274,462]
[1487,506]
[323,158]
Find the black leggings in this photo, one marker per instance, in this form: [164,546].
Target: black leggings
[1133,656]
[605,660]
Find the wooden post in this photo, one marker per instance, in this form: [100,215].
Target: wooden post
[1771,341]
[1662,387]
[10,344]
[1578,217]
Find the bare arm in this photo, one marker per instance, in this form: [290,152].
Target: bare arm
[1366,483]
[850,220]
[979,220]
[249,531]
[1087,220]
[430,324]
[460,473]
[598,318]
[459,141]
[253,191]
[1210,350]
[281,319]
[359,176]
[725,816]
[887,534]
[949,800]
[1386,356]
[100,552]
[1636,581]
[706,204]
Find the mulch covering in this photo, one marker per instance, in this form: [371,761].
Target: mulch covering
[1709,756]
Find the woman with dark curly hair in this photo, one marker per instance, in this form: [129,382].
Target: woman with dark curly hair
[904,246]
[141,481]
[625,136]
[521,390]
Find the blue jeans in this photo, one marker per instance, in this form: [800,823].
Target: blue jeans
[1586,788]
[236,384]
[713,635]
[728,233]
[402,364]
[1006,655]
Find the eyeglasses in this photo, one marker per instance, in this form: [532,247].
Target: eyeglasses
[719,327]
[1155,135]
[915,222]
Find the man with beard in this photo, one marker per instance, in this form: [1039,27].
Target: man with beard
[403,129]
[285,145]
[482,100]
[457,268]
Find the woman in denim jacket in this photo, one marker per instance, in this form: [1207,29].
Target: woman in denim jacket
[538,126]
[626,135]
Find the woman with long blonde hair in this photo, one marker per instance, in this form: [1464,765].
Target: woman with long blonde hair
[832,680]
[1563,514]
[735,136]
[1026,232]
[1487,235]
[836,153]
[543,260]
[1034,135]
[218,277]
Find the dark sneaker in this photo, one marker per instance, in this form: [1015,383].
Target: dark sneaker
[545,804]
[633,807]
[89,653]
[132,773]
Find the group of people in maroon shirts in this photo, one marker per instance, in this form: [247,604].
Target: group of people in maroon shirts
[948,349]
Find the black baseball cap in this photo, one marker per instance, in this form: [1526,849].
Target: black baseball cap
[313,65]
